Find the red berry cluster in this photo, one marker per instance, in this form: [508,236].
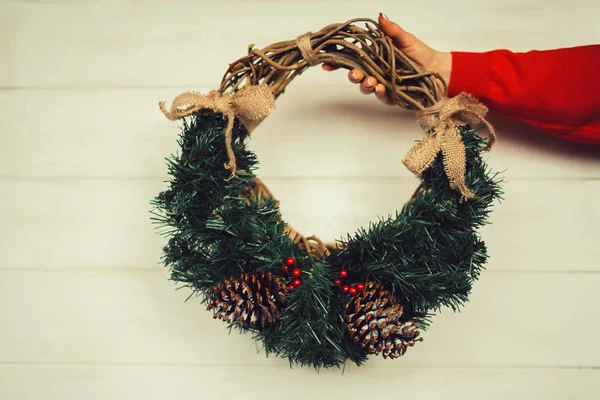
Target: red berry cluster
[296,273]
[353,290]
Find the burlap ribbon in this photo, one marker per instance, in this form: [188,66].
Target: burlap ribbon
[441,123]
[250,104]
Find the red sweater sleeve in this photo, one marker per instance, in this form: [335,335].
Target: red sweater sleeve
[556,91]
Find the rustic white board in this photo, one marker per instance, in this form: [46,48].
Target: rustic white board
[314,132]
[152,382]
[515,319]
[105,223]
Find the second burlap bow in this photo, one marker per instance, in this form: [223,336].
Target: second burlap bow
[441,124]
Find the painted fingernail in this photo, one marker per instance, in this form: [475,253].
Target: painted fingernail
[368,83]
[377,89]
[384,16]
[353,75]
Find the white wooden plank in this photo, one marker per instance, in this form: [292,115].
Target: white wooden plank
[315,132]
[92,224]
[513,320]
[257,383]
[106,224]
[186,43]
[40,2]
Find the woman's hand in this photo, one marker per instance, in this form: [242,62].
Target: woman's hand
[430,59]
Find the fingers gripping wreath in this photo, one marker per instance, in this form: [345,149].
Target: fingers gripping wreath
[315,303]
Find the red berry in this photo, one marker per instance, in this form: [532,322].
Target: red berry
[296,273]
[343,273]
[296,282]
[352,291]
[360,287]
[284,268]
[290,286]
[345,288]
[290,261]
[337,282]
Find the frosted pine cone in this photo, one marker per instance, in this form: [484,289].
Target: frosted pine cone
[251,301]
[374,320]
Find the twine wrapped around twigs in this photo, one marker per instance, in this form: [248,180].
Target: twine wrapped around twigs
[305,47]
[441,124]
[252,83]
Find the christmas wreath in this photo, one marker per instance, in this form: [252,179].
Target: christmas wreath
[315,303]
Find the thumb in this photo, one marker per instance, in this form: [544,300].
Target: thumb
[401,38]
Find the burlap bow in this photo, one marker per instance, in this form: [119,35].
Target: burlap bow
[250,104]
[441,123]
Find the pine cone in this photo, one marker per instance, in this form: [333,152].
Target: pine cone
[252,301]
[374,319]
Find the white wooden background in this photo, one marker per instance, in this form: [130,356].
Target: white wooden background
[87,312]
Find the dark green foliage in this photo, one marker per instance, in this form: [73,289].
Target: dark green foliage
[428,254]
